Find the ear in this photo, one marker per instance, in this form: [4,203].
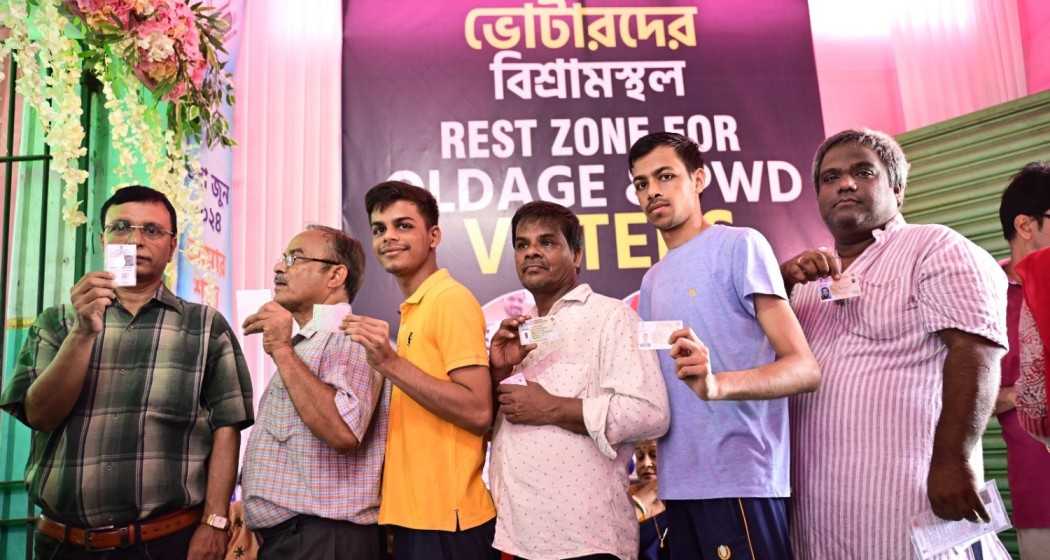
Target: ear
[898,193]
[700,179]
[577,258]
[435,237]
[174,248]
[1022,225]
[338,278]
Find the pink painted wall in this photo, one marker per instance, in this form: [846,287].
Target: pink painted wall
[287,124]
[898,65]
[858,84]
[1035,38]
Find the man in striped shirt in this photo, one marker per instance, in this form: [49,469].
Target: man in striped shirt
[910,365]
[313,465]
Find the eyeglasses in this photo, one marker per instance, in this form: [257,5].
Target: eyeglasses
[122,229]
[289,260]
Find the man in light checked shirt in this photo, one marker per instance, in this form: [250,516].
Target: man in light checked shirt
[312,468]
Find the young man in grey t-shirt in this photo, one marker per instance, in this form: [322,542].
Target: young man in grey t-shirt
[725,459]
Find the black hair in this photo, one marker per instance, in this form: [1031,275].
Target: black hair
[381,196]
[564,218]
[1029,194]
[885,147]
[687,150]
[139,193]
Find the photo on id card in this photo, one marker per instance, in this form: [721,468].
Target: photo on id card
[846,287]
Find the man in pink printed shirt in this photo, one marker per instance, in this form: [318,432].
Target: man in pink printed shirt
[910,365]
[564,433]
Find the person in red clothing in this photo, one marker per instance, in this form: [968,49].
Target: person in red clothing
[1033,406]
[1025,215]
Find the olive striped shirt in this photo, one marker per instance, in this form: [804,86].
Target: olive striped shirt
[138,438]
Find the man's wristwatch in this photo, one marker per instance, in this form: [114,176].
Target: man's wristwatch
[217,521]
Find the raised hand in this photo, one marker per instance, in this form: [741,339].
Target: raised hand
[374,335]
[506,350]
[693,364]
[90,298]
[275,324]
[810,265]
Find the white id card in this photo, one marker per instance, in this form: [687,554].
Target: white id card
[329,317]
[846,287]
[120,262]
[655,335]
[516,379]
[540,329]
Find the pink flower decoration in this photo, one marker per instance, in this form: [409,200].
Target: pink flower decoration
[164,33]
[176,92]
[198,72]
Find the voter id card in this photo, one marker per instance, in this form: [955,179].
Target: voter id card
[846,287]
[329,317]
[540,329]
[120,262]
[656,335]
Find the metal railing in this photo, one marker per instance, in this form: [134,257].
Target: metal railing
[9,160]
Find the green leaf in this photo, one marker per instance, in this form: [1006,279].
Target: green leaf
[163,88]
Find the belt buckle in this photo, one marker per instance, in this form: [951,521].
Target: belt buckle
[89,546]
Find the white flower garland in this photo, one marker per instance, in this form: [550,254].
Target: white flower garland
[50,68]
[53,51]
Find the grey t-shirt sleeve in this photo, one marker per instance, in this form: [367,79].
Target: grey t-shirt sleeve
[755,269]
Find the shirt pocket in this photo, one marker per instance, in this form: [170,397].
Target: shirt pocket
[885,310]
[165,419]
[277,413]
[565,379]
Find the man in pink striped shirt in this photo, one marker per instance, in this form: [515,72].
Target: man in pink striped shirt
[910,365]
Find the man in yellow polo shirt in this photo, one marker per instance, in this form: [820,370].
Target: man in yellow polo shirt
[441,406]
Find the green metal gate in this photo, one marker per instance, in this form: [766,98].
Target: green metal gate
[42,259]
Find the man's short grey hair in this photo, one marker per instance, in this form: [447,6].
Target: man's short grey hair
[349,253]
[884,146]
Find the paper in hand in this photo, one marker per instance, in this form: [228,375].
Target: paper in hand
[540,329]
[329,317]
[120,262]
[932,536]
[656,335]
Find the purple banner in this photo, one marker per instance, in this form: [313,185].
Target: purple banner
[493,104]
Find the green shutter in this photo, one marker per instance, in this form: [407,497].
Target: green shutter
[959,169]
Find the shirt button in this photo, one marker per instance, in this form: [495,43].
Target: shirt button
[123,372]
[109,467]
